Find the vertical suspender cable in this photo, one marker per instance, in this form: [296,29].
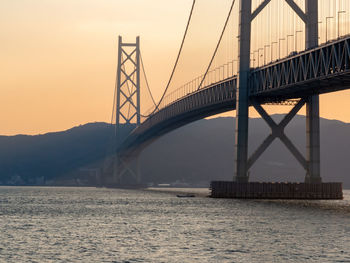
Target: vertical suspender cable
[218,44]
[177,59]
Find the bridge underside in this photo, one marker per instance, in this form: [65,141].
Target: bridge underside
[152,129]
[336,82]
[137,140]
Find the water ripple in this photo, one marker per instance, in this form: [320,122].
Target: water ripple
[41,224]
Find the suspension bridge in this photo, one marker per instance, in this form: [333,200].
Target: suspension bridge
[292,65]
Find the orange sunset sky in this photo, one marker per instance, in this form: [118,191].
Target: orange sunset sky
[58,59]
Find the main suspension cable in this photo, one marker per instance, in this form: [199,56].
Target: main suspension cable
[177,60]
[218,44]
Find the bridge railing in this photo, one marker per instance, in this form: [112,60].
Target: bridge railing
[213,76]
[217,93]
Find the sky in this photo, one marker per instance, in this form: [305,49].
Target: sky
[58,59]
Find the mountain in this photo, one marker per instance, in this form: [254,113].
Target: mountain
[33,159]
[199,152]
[205,150]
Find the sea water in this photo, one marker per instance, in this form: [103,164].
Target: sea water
[61,224]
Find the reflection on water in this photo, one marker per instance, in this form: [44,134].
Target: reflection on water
[41,224]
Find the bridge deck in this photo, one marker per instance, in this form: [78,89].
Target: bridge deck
[321,70]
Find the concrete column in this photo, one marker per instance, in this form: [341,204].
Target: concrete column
[312,106]
[242,94]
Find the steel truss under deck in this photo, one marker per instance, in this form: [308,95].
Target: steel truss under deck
[321,67]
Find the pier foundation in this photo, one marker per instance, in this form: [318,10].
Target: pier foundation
[257,190]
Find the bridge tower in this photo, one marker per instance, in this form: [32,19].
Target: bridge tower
[312,161]
[312,105]
[242,96]
[128,83]
[127,109]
